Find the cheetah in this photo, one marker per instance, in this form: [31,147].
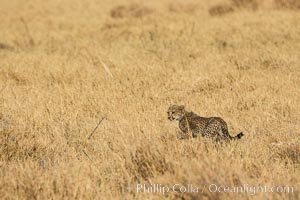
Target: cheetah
[193,125]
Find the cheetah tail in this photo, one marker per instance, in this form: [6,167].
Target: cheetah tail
[239,136]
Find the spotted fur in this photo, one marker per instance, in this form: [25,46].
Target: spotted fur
[193,125]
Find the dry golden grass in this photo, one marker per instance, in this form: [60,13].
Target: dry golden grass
[66,65]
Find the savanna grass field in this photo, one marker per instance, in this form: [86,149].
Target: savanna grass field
[85,87]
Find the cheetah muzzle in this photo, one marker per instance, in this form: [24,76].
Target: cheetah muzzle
[193,125]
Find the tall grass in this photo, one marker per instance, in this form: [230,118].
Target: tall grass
[64,66]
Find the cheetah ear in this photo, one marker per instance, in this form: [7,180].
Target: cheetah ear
[181,107]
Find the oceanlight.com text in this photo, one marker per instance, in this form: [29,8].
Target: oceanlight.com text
[213,188]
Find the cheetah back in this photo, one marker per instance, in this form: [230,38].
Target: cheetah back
[214,127]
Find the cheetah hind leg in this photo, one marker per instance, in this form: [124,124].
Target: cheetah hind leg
[212,131]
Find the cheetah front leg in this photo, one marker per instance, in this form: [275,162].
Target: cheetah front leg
[182,135]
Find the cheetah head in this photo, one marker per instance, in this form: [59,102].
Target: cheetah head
[175,112]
